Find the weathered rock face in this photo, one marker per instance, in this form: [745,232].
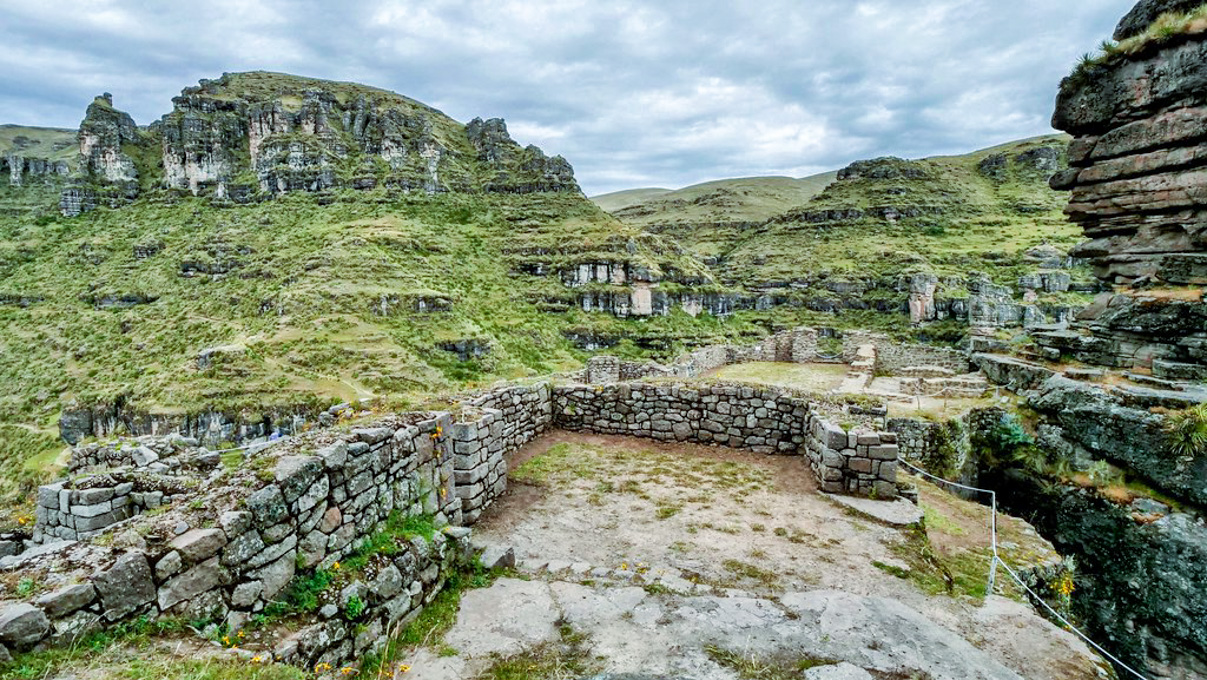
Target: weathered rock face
[296,134]
[1146,12]
[514,169]
[1116,425]
[1141,591]
[102,134]
[1138,170]
[245,133]
[107,173]
[20,169]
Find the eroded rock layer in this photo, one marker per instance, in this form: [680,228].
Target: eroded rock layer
[249,134]
[1138,171]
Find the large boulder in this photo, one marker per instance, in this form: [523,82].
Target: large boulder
[126,586]
[23,626]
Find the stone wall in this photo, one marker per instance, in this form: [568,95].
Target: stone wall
[225,544]
[763,420]
[894,358]
[527,411]
[480,470]
[603,370]
[232,549]
[69,512]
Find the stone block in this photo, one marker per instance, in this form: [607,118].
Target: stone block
[295,475]
[48,496]
[68,600]
[883,452]
[126,586]
[202,578]
[92,510]
[93,496]
[334,456]
[235,524]
[246,594]
[169,565]
[268,506]
[22,626]
[197,545]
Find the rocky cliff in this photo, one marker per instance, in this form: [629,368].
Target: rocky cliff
[258,134]
[1138,177]
[1139,187]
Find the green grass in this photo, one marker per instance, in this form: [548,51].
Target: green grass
[1168,28]
[567,657]
[86,652]
[965,221]
[804,377]
[750,667]
[709,217]
[29,457]
[677,480]
[38,142]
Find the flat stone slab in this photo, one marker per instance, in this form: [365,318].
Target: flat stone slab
[897,513]
[640,636]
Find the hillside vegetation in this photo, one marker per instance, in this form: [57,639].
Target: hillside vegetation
[948,215]
[276,241]
[709,218]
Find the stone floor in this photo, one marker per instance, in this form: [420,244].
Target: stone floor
[668,560]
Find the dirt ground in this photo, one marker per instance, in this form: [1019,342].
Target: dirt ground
[745,525]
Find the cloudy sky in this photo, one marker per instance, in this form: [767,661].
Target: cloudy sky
[654,93]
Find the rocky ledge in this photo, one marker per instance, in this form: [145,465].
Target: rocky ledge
[1138,175]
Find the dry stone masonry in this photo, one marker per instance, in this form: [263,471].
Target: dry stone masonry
[224,544]
[762,420]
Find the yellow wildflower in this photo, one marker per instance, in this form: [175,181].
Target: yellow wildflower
[335,566]
[403,668]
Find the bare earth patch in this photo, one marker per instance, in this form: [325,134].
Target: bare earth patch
[630,543]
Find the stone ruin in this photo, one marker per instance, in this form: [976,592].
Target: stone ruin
[157,527]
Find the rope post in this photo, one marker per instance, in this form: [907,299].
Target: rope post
[992,574]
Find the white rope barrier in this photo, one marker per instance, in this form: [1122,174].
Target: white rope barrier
[996,559]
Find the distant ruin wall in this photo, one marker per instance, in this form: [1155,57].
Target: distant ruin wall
[798,346]
[893,358]
[763,420]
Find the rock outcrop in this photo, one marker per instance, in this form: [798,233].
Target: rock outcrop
[1138,176]
[103,133]
[107,173]
[1145,13]
[1138,171]
[250,134]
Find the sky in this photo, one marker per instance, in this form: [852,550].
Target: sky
[661,93]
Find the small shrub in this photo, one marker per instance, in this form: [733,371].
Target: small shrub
[1187,431]
[354,608]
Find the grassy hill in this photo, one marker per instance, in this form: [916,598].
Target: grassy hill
[947,215]
[708,218]
[50,143]
[173,303]
[618,200]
